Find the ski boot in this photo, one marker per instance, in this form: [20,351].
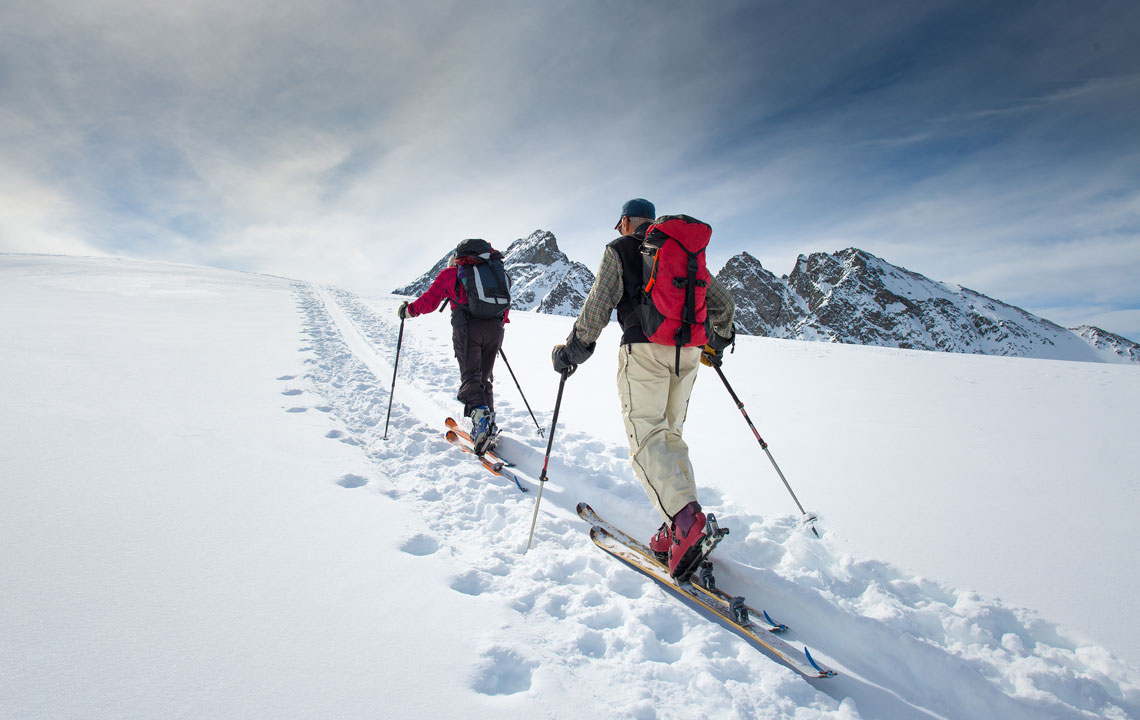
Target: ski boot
[493,440]
[692,544]
[482,420]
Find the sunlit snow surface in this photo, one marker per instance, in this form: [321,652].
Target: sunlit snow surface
[199,517]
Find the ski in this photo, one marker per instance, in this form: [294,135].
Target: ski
[453,424]
[733,611]
[498,468]
[702,580]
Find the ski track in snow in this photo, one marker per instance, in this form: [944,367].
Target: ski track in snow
[904,647]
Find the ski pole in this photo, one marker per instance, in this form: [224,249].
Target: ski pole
[395,367]
[546,460]
[810,520]
[512,372]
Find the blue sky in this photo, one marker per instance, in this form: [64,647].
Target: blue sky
[995,145]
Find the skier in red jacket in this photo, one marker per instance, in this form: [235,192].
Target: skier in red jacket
[479,312]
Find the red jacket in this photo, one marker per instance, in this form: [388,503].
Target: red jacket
[446,286]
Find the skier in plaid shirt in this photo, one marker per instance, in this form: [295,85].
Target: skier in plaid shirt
[653,384]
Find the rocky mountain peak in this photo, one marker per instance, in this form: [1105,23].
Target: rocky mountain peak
[539,247]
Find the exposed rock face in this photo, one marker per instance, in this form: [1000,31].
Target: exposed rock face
[543,278]
[1111,346]
[854,297]
[764,302]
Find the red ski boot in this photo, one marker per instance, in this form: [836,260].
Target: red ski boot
[687,551]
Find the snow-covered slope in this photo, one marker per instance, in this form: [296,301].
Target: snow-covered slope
[543,279]
[201,517]
[854,297]
[1110,346]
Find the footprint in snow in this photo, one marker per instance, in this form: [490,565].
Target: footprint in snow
[469,583]
[420,545]
[606,619]
[592,644]
[555,606]
[292,392]
[286,377]
[502,671]
[666,625]
[352,481]
[297,410]
[630,585]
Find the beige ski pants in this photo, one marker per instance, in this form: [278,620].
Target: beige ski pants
[654,402]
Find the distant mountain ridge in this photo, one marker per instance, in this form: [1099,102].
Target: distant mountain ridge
[850,296]
[854,297]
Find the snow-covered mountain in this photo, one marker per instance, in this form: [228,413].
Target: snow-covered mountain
[1110,345]
[850,297]
[854,297]
[543,279]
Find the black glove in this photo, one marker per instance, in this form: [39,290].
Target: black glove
[403,311]
[711,357]
[569,356]
[713,353]
[561,362]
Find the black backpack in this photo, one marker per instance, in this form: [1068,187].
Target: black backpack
[484,279]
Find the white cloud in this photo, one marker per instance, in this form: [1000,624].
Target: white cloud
[36,219]
[354,142]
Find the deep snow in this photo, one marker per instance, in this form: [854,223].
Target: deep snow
[199,518]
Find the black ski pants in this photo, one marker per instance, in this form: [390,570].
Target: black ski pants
[477,344]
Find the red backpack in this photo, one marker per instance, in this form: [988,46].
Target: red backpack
[673,310]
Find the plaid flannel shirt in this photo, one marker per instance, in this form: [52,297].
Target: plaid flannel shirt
[607,293]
